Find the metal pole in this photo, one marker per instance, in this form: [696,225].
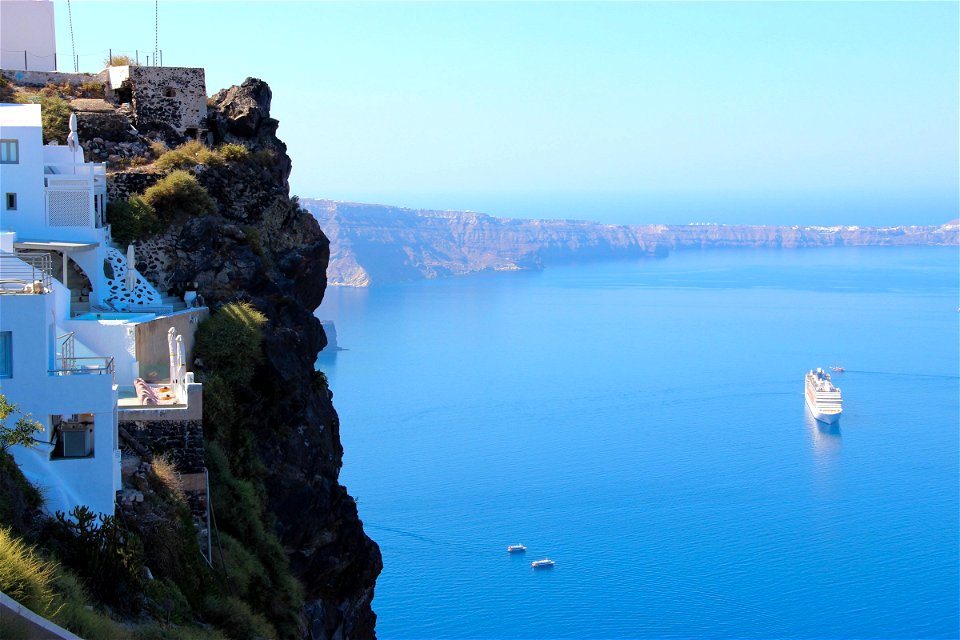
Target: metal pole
[25,61]
[138,56]
[110,59]
[55,61]
[161,57]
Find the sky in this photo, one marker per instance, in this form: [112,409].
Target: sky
[751,112]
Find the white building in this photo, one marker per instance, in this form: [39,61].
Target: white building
[79,328]
[28,35]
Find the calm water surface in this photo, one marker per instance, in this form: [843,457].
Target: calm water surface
[642,423]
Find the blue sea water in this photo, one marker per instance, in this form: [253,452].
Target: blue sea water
[643,424]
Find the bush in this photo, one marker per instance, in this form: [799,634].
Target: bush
[119,61]
[89,89]
[236,619]
[158,148]
[55,117]
[229,343]
[105,554]
[165,602]
[234,152]
[74,613]
[132,219]
[179,194]
[188,155]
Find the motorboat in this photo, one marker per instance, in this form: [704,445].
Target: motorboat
[546,563]
[516,548]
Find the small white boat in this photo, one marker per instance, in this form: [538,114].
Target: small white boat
[546,563]
[516,548]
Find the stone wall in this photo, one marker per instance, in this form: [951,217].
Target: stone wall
[171,96]
[181,441]
[43,78]
[123,184]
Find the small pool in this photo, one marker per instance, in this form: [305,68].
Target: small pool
[114,315]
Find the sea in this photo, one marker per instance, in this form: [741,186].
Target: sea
[642,423]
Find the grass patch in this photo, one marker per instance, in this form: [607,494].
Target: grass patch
[193,153]
[25,576]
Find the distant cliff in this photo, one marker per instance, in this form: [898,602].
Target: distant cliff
[377,244]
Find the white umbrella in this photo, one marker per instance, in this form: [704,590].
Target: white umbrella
[73,141]
[131,280]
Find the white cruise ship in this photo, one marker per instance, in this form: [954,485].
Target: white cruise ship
[823,398]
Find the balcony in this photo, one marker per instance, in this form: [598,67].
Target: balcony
[88,366]
[25,273]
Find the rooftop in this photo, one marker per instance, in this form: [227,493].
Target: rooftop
[20,115]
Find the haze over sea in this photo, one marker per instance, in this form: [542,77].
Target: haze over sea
[643,424]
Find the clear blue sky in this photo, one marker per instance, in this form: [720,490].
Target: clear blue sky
[751,111]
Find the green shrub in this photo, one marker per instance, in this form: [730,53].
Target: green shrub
[179,194]
[165,602]
[257,562]
[107,556]
[236,619]
[55,117]
[25,576]
[173,632]
[244,571]
[132,219]
[188,155]
[158,148]
[119,61]
[90,89]
[234,152]
[75,614]
[229,343]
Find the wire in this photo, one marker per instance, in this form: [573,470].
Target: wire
[73,47]
[156,30]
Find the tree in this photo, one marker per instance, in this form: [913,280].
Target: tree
[22,431]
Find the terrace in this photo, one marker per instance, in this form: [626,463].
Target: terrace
[25,273]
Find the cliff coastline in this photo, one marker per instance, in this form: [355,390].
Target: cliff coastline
[373,244]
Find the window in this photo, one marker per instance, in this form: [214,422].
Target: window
[9,152]
[6,354]
[11,201]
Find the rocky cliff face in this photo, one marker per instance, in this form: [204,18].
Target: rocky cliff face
[375,243]
[263,248]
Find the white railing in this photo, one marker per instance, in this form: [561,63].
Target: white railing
[25,272]
[67,350]
[93,365]
[88,170]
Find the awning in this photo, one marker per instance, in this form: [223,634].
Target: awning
[32,245]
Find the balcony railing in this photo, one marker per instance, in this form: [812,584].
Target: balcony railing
[88,170]
[93,365]
[25,272]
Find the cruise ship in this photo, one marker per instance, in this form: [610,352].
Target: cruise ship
[822,397]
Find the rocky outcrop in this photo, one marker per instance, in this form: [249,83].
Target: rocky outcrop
[262,247]
[376,244]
